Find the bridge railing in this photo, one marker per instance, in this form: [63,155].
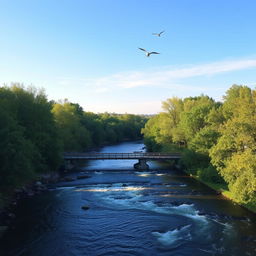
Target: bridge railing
[134,155]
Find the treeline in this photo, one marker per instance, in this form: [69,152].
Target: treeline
[35,131]
[217,140]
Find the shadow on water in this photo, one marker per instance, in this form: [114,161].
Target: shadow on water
[156,212]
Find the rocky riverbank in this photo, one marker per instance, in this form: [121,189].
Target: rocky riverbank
[42,184]
[11,200]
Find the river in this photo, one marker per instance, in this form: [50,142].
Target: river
[156,212]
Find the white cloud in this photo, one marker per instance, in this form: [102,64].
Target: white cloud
[171,81]
[161,76]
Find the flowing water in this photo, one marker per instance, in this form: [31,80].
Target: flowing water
[155,212]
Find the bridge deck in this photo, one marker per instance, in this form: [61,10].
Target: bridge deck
[116,156]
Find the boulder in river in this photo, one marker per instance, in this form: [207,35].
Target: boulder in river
[85,207]
[18,190]
[83,176]
[69,179]
[2,230]
[38,183]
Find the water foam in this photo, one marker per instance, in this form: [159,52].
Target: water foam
[136,203]
[189,211]
[98,172]
[131,197]
[144,174]
[174,237]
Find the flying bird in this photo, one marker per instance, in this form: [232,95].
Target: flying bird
[148,53]
[158,34]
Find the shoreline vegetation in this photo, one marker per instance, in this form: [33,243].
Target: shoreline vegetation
[217,140]
[35,131]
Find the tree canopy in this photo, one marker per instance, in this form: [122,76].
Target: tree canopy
[34,132]
[217,140]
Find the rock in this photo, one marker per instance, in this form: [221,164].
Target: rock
[49,178]
[83,177]
[30,193]
[11,215]
[69,179]
[38,184]
[2,230]
[18,190]
[176,203]
[14,203]
[42,188]
[85,207]
[248,238]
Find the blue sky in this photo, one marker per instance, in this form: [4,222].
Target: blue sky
[87,50]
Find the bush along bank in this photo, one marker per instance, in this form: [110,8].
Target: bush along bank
[216,139]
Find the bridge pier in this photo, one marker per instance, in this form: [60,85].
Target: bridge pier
[141,165]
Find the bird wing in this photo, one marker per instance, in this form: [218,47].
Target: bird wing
[161,32]
[155,34]
[154,53]
[142,49]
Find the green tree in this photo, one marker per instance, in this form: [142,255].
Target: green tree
[237,144]
[28,140]
[68,117]
[16,155]
[194,118]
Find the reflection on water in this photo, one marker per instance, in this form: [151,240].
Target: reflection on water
[157,212]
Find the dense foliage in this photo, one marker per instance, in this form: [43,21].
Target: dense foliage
[35,131]
[217,140]
[28,135]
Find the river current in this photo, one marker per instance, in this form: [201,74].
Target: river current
[156,212]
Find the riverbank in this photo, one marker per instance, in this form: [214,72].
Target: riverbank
[223,190]
[10,198]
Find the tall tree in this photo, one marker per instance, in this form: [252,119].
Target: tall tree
[237,145]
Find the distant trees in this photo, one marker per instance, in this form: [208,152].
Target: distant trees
[35,131]
[81,130]
[217,140]
[73,134]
